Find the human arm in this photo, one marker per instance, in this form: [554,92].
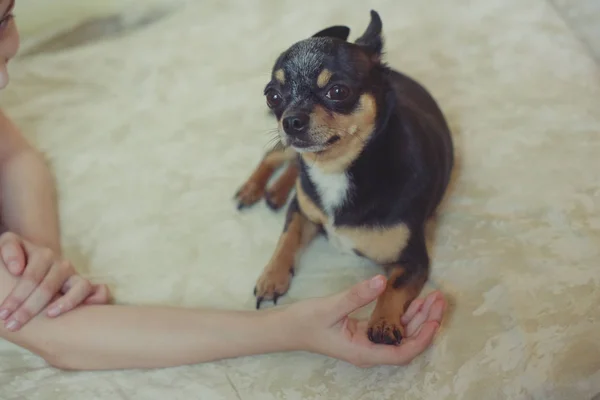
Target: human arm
[98,337]
[29,215]
[28,202]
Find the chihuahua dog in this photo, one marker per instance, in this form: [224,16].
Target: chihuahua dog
[369,155]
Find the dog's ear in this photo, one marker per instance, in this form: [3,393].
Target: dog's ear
[372,41]
[336,31]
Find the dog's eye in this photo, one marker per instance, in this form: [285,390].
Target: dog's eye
[338,92]
[273,99]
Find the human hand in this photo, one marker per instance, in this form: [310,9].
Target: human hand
[44,277]
[325,327]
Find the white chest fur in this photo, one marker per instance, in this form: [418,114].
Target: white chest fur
[333,190]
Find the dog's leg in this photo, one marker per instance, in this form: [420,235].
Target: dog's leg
[276,277]
[279,192]
[406,280]
[254,187]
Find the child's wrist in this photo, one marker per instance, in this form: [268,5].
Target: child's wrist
[294,326]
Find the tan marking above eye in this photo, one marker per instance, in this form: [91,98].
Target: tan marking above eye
[280,76]
[323,78]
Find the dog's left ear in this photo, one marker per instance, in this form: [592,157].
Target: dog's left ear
[337,31]
[372,41]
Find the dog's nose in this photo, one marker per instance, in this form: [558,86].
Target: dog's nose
[296,123]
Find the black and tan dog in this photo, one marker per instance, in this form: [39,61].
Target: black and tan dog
[370,157]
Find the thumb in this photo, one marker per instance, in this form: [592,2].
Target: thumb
[13,255]
[357,296]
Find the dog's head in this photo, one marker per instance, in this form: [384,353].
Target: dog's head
[322,90]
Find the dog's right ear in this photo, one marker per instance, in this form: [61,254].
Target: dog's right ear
[336,31]
[371,40]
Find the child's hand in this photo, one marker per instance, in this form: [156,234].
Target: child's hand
[323,326]
[43,277]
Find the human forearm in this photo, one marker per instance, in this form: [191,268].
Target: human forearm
[116,337]
[30,236]
[28,199]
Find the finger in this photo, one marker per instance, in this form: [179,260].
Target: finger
[356,297]
[430,299]
[412,310]
[415,323]
[13,255]
[35,271]
[409,349]
[79,290]
[421,304]
[421,316]
[100,295]
[40,297]
[437,311]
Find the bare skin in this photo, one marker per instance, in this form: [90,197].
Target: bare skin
[28,212]
[101,337]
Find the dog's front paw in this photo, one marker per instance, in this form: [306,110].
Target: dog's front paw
[272,284]
[249,194]
[383,330]
[276,198]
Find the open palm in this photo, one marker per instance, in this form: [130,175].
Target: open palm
[421,322]
[328,329]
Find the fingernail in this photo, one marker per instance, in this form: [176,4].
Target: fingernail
[3,314]
[14,264]
[376,283]
[12,325]
[53,311]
